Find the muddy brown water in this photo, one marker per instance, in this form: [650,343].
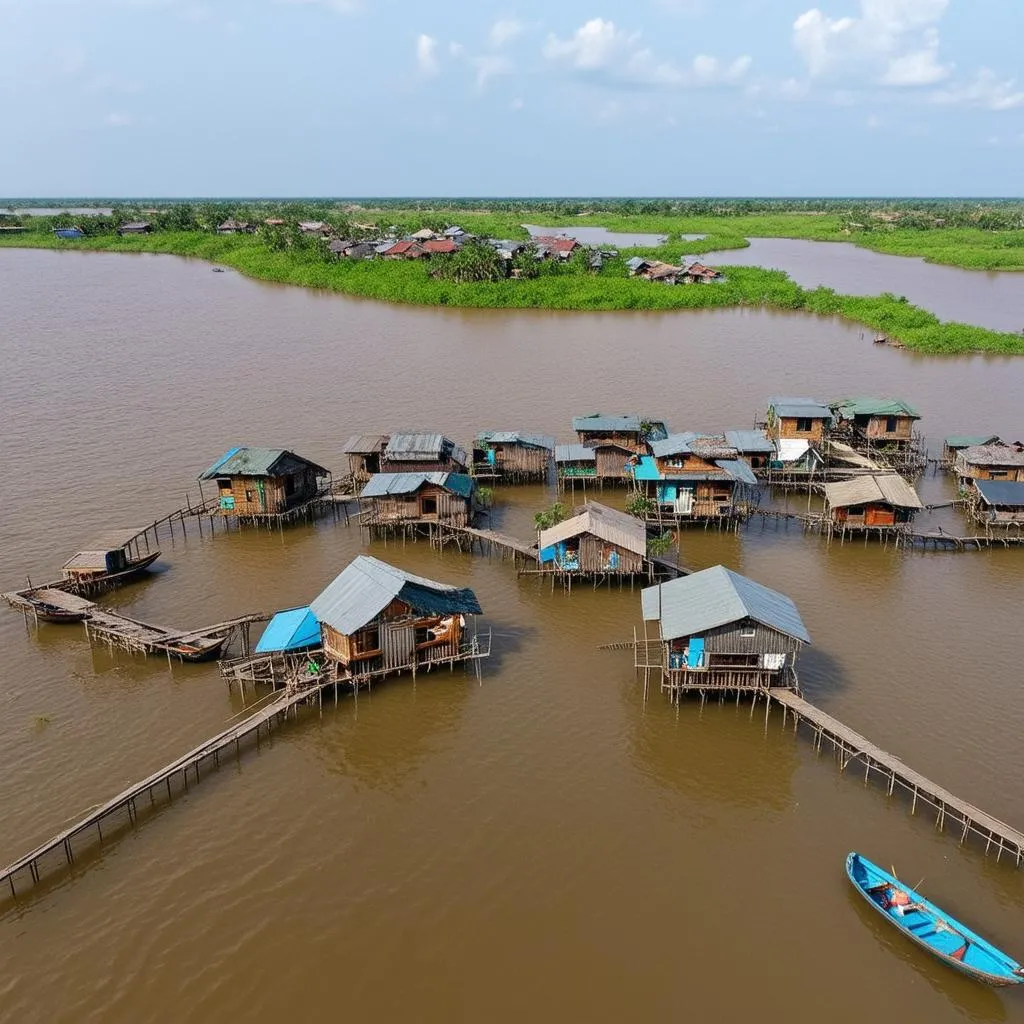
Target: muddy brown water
[541,846]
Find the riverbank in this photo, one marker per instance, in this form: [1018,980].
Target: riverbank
[568,289]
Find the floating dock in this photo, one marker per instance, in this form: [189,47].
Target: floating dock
[851,747]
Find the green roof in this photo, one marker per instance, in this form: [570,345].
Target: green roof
[850,407]
[260,462]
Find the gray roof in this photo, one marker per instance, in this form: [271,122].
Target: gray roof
[516,437]
[612,424]
[799,408]
[993,455]
[365,444]
[413,447]
[848,408]
[367,586]
[738,470]
[608,524]
[715,597]
[382,484]
[636,262]
[259,462]
[955,441]
[673,444]
[749,441]
[94,554]
[574,453]
[1001,492]
[889,488]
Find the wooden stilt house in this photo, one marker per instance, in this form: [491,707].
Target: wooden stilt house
[881,427]
[364,455]
[512,456]
[422,453]
[754,447]
[958,442]
[376,620]
[618,442]
[884,503]
[989,462]
[997,502]
[404,501]
[597,543]
[575,464]
[716,630]
[265,483]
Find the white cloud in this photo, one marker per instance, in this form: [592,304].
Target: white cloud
[341,6]
[985,90]
[600,50]
[426,55]
[895,42]
[489,66]
[873,122]
[517,104]
[117,120]
[456,49]
[504,31]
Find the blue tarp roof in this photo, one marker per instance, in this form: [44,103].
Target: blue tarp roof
[290,630]
[1001,492]
[382,484]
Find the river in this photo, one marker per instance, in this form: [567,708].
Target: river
[543,845]
[993,299]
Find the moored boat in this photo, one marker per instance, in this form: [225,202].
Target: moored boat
[931,928]
[204,649]
[108,561]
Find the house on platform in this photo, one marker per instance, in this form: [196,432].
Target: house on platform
[423,453]
[513,456]
[575,463]
[597,543]
[698,273]
[716,630]
[884,503]
[695,478]
[957,442]
[798,419]
[364,454]
[288,651]
[618,442]
[556,246]
[135,227]
[235,227]
[989,462]
[376,620]
[997,502]
[877,422]
[263,483]
[406,249]
[754,447]
[403,502]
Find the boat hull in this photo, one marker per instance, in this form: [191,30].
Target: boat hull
[929,927]
[107,580]
[197,652]
[57,615]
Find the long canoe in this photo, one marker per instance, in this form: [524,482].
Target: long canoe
[931,928]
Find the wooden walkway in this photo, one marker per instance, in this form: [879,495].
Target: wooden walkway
[172,777]
[850,747]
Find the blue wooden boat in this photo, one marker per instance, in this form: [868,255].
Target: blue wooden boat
[930,927]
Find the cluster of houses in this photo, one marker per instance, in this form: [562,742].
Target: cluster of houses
[690,271]
[990,475]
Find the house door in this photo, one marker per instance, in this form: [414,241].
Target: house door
[399,646]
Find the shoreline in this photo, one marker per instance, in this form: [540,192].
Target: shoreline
[902,323]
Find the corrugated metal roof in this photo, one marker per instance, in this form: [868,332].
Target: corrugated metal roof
[367,586]
[955,441]
[382,484]
[993,455]
[290,630]
[412,447]
[608,524]
[574,453]
[799,408]
[862,490]
[1001,492]
[673,444]
[738,470]
[516,437]
[749,441]
[867,406]
[715,597]
[656,429]
[365,444]
[259,462]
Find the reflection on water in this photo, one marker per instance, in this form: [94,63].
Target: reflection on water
[543,845]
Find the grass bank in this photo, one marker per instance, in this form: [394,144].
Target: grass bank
[562,289]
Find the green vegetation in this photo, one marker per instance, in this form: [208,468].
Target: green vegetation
[982,236]
[550,516]
[658,547]
[641,506]
[485,496]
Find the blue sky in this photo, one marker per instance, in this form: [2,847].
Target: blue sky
[575,97]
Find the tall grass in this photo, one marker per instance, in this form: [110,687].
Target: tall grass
[612,289]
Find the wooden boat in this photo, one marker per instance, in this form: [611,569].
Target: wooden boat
[46,612]
[204,649]
[109,561]
[931,928]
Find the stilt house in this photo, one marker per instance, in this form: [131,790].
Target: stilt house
[376,620]
[597,542]
[259,482]
[695,477]
[754,447]
[956,443]
[998,502]
[407,499]
[422,453]
[575,463]
[884,502]
[989,462]
[717,630]
[876,421]
[364,455]
[803,419]
[618,441]
[288,650]
[512,455]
